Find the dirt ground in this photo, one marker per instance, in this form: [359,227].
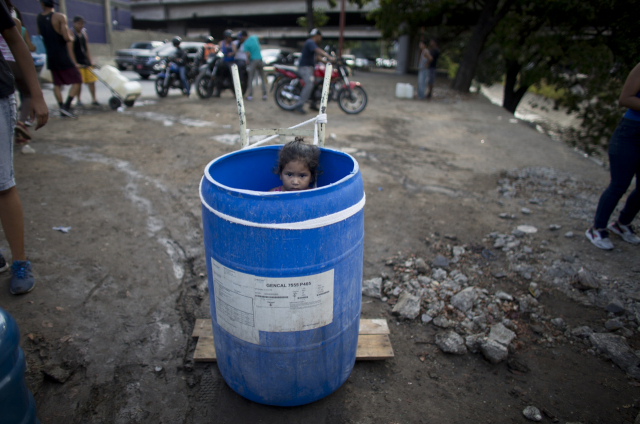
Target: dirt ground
[117,297]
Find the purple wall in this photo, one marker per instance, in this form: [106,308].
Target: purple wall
[93,15]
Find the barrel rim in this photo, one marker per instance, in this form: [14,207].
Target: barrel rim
[353,173]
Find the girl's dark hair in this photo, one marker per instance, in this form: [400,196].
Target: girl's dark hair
[299,150]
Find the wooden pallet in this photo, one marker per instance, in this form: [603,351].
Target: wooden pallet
[373,341]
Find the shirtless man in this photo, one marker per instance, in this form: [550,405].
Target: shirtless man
[60,58]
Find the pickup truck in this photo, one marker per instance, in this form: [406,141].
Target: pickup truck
[125,58]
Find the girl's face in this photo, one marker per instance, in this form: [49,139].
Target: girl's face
[295,176]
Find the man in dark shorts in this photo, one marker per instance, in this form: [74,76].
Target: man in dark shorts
[60,59]
[11,215]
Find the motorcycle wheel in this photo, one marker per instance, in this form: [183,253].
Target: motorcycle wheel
[283,101]
[160,88]
[204,86]
[352,104]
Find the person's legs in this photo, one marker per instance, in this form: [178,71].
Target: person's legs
[183,78]
[92,90]
[57,92]
[422,82]
[252,73]
[431,72]
[263,77]
[624,160]
[10,206]
[307,76]
[79,101]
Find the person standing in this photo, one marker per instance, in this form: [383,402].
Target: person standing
[11,215]
[307,64]
[83,58]
[181,59]
[256,65]
[228,48]
[423,69]
[52,26]
[433,54]
[241,54]
[22,135]
[624,161]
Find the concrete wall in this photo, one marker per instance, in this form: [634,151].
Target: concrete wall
[91,10]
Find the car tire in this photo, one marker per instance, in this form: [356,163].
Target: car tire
[144,76]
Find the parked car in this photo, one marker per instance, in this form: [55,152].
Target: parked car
[125,57]
[148,63]
[279,55]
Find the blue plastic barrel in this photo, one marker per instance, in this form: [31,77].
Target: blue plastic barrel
[285,275]
[16,402]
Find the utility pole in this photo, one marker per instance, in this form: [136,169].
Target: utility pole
[107,23]
[62,7]
[342,19]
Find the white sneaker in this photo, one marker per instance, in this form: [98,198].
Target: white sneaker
[599,238]
[28,150]
[627,232]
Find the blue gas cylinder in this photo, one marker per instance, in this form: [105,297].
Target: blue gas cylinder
[16,402]
[284,274]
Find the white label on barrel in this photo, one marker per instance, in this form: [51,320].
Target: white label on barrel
[247,304]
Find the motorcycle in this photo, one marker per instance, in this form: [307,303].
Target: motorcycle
[169,77]
[208,73]
[288,85]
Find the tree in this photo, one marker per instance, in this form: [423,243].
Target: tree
[582,49]
[320,19]
[309,20]
[492,12]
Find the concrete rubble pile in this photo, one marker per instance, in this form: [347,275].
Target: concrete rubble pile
[449,290]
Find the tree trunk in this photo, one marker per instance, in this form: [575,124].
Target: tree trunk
[512,98]
[309,15]
[489,18]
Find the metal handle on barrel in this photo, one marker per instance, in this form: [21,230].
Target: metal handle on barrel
[243,118]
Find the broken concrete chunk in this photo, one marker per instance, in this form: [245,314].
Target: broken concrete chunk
[408,306]
[618,351]
[501,334]
[421,266]
[440,262]
[585,280]
[504,296]
[473,341]
[372,287]
[451,342]
[494,352]
[558,323]
[56,373]
[463,300]
[616,306]
[528,303]
[441,322]
[532,413]
[439,274]
[582,332]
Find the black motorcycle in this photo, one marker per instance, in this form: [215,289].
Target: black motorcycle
[210,73]
[169,77]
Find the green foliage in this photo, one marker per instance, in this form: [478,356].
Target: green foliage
[320,18]
[578,53]
[548,91]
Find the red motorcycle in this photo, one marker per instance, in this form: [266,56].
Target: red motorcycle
[288,85]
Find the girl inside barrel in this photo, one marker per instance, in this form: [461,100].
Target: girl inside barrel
[297,166]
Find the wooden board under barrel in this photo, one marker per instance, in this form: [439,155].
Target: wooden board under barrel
[373,341]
